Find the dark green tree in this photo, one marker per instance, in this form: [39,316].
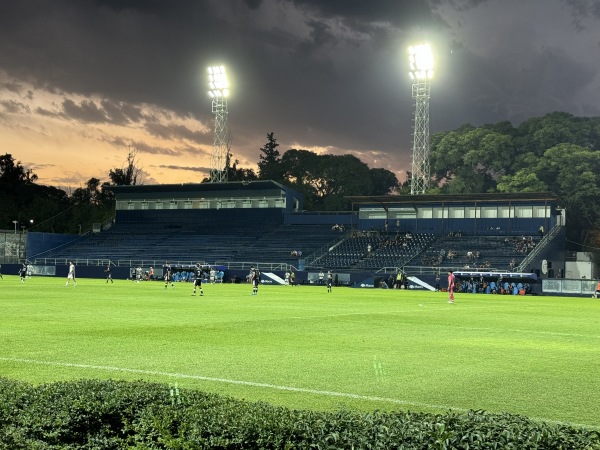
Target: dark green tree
[383,182]
[326,180]
[470,160]
[557,152]
[269,164]
[235,173]
[13,175]
[130,174]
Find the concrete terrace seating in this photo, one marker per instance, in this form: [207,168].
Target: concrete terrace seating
[386,250]
[496,252]
[197,242]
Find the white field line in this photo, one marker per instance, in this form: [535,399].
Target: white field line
[265,386]
[229,381]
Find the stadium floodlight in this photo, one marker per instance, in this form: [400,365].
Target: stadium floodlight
[218,85]
[421,73]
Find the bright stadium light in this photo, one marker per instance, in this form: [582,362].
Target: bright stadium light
[218,85]
[421,72]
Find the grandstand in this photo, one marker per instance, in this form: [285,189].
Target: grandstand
[236,225]
[154,243]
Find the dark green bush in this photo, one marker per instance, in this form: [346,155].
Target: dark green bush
[92,414]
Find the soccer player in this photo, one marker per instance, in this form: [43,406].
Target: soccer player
[329,281]
[255,278]
[450,287]
[168,275]
[138,274]
[108,275]
[23,272]
[71,274]
[198,279]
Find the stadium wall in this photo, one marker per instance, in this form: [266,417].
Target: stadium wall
[38,243]
[322,218]
[199,217]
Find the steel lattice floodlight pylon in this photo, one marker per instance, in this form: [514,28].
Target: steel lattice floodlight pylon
[421,72]
[219,91]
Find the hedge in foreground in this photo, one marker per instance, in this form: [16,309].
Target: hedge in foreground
[93,414]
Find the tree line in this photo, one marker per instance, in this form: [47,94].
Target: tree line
[324,180]
[28,205]
[557,152]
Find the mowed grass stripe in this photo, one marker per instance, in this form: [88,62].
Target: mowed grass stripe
[535,355]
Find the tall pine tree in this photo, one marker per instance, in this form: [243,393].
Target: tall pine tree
[269,166]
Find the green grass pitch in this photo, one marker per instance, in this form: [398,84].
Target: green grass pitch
[303,348]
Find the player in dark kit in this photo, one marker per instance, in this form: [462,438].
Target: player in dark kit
[255,278]
[108,275]
[329,281]
[168,275]
[198,279]
[23,273]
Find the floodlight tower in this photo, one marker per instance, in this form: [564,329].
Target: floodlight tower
[421,72]
[219,91]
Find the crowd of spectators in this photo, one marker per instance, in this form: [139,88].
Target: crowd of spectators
[482,286]
[523,244]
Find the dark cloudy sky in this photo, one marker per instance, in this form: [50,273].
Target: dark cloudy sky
[81,81]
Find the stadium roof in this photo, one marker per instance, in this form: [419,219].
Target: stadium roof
[455,198]
[201,187]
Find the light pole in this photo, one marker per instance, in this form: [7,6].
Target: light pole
[219,91]
[16,222]
[421,72]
